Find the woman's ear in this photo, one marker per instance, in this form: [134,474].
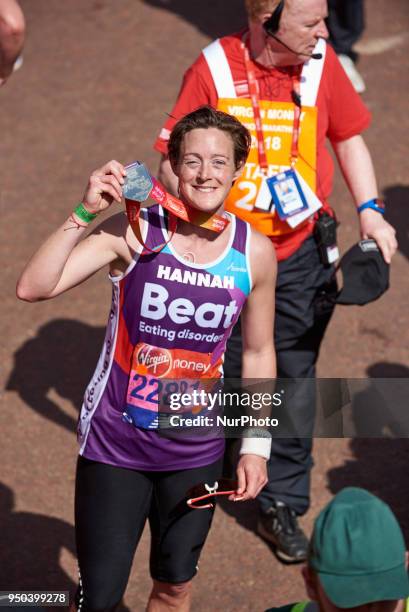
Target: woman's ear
[310,582]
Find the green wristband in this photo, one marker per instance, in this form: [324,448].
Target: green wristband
[83,214]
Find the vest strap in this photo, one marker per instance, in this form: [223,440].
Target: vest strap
[311,75]
[223,80]
[220,70]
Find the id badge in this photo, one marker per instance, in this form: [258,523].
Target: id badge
[287,194]
[138,182]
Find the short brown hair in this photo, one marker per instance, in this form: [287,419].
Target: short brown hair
[254,8]
[207,117]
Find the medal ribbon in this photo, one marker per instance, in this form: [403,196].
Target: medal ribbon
[177,210]
[133,209]
[215,223]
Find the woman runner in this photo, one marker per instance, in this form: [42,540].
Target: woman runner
[172,312]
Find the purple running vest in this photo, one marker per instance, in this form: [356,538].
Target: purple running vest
[169,319]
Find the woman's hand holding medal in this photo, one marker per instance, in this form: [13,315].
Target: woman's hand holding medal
[104,186]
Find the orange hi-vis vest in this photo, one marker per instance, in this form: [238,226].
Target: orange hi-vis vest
[277,124]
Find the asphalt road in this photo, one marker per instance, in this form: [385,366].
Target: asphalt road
[97,80]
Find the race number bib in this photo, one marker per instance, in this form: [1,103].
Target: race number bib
[158,375]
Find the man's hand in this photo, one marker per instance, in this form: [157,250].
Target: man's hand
[104,186]
[357,167]
[373,225]
[251,477]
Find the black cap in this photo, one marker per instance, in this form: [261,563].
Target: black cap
[365,274]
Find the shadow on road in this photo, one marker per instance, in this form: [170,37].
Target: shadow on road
[213,18]
[61,357]
[381,466]
[30,550]
[397,198]
[380,446]
[379,409]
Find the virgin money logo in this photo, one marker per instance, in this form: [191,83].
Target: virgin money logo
[158,193]
[156,361]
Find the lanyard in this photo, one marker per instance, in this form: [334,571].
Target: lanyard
[296,93]
[177,210]
[255,101]
[133,209]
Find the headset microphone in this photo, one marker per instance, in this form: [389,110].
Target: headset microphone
[316,56]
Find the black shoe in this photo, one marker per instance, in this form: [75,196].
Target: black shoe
[279,526]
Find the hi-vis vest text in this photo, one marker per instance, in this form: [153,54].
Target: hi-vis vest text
[278,120]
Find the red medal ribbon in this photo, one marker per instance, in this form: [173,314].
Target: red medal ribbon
[133,209]
[177,210]
[215,223]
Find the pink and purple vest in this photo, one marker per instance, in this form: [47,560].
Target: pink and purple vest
[169,319]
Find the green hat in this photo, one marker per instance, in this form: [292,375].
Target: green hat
[358,551]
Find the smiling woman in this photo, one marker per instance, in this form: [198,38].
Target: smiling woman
[203,167]
[207,151]
[170,316]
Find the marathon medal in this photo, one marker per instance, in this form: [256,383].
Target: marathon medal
[138,183]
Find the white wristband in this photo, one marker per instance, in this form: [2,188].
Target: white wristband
[256,442]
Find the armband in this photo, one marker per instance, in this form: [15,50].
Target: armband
[83,214]
[376,204]
[256,441]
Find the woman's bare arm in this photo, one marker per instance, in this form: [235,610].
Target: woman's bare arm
[66,259]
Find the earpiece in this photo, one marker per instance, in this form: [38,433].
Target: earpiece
[271,26]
